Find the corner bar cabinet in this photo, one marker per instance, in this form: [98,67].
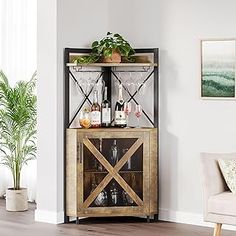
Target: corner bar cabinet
[96,184]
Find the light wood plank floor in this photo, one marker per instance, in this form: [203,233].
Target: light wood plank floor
[22,224]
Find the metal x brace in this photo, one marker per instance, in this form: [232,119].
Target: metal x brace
[86,97]
[133,95]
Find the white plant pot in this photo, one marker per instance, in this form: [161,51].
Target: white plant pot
[16,200]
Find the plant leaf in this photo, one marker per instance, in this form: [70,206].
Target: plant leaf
[94,44]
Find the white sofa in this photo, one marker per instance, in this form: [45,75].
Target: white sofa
[219,202]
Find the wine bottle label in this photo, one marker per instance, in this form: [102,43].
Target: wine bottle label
[106,115]
[95,118]
[120,118]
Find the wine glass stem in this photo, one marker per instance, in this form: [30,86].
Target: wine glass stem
[138,122]
[127,121]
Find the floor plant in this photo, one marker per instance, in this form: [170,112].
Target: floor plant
[17,132]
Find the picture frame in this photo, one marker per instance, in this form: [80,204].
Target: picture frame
[218,68]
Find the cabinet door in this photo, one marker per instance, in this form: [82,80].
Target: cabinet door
[113,170]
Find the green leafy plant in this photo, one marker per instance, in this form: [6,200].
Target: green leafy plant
[17,125]
[106,46]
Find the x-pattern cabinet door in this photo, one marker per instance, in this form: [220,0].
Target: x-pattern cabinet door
[113,173]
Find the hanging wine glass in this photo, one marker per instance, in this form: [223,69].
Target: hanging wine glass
[131,84]
[116,86]
[99,85]
[138,82]
[138,113]
[93,80]
[89,83]
[78,85]
[82,83]
[127,109]
[143,83]
[116,81]
[124,81]
[119,78]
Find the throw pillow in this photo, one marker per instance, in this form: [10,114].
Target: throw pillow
[228,169]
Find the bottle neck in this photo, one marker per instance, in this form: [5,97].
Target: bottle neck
[120,93]
[95,96]
[105,94]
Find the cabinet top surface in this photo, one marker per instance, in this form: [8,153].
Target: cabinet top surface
[113,65]
[113,129]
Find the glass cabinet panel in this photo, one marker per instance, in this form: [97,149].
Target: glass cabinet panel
[115,192]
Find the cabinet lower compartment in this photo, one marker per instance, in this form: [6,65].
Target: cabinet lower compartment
[111,173]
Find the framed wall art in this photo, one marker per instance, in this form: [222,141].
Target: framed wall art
[218,69]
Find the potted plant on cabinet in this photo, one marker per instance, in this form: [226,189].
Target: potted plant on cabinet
[110,49]
[17,135]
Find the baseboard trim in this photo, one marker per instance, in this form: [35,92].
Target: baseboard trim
[164,215]
[187,218]
[49,217]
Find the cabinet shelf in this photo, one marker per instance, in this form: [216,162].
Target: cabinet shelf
[113,65]
[121,172]
[113,129]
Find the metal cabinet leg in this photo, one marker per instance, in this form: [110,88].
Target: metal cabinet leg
[148,219]
[66,219]
[155,217]
[77,220]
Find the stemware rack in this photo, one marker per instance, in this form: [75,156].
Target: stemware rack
[81,149]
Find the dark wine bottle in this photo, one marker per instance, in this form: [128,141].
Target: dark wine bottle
[106,110]
[114,194]
[102,198]
[114,153]
[120,119]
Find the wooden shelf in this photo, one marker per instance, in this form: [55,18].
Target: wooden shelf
[113,129]
[106,172]
[113,65]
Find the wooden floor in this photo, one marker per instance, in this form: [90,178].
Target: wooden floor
[22,224]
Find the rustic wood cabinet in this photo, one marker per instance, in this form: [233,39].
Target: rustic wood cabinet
[98,185]
[112,171]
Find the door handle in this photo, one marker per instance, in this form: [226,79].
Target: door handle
[81,153]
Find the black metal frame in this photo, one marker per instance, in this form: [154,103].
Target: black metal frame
[106,74]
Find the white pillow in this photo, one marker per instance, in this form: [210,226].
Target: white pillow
[228,169]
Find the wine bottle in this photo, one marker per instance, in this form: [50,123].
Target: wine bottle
[127,200]
[101,199]
[95,111]
[120,119]
[114,194]
[128,164]
[114,153]
[106,110]
[97,164]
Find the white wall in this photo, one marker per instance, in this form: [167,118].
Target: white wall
[188,125]
[71,23]
[48,164]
